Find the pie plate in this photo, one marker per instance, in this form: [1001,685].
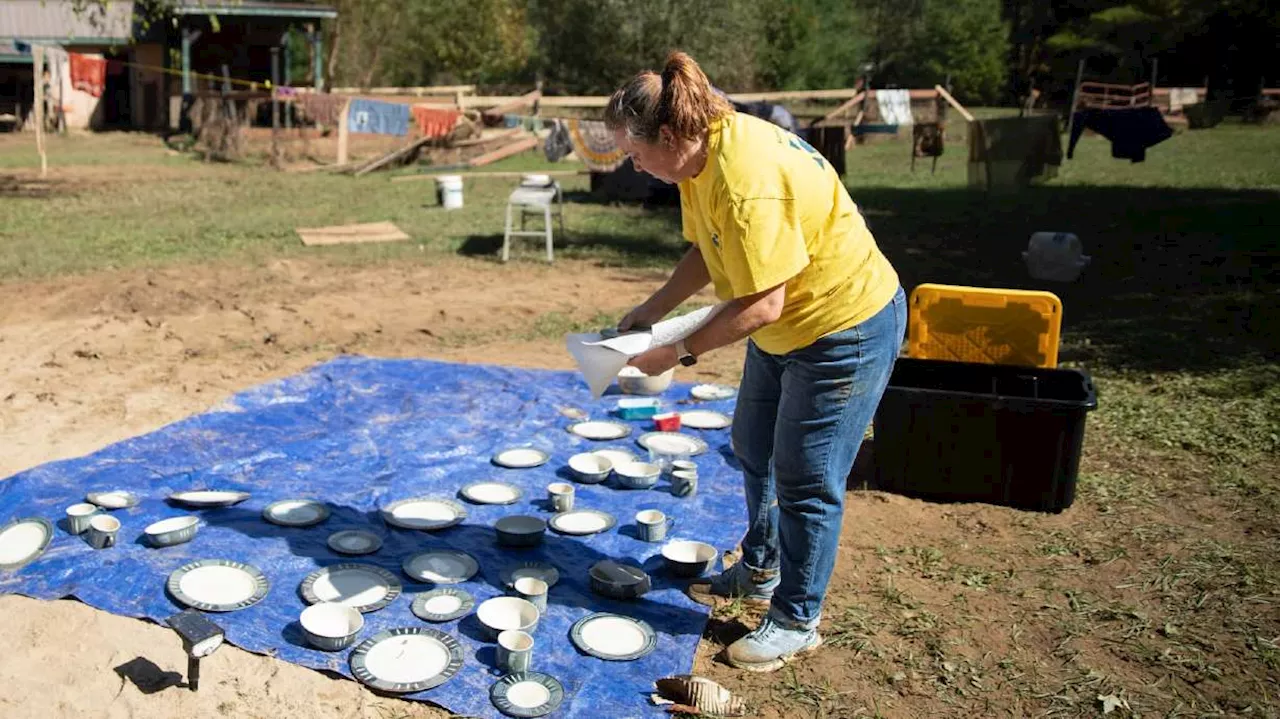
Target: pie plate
[425,513]
[23,540]
[672,443]
[406,660]
[613,637]
[354,541]
[440,566]
[443,605]
[491,492]
[208,498]
[218,585]
[526,695]
[365,587]
[600,429]
[295,513]
[581,522]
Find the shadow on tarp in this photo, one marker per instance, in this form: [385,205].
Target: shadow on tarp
[361,434]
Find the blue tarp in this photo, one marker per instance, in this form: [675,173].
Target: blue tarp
[359,434]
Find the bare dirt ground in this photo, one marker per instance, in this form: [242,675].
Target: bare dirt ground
[1140,594]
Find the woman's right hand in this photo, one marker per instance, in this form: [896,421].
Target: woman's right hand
[641,318]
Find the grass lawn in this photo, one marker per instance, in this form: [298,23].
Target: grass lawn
[1173,318]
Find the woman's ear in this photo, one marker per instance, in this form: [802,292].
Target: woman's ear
[667,137]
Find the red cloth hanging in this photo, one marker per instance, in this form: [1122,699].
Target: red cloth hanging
[432,122]
[88,74]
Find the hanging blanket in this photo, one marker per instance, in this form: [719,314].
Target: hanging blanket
[434,122]
[373,117]
[593,144]
[88,74]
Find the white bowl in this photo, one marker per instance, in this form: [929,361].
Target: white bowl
[638,475]
[500,614]
[687,558]
[590,468]
[331,626]
[633,381]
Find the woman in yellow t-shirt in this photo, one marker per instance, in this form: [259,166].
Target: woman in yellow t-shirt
[773,228]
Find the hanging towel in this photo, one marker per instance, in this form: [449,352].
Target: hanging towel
[1011,152]
[373,117]
[433,121]
[1130,130]
[558,145]
[88,74]
[1181,96]
[895,107]
[593,144]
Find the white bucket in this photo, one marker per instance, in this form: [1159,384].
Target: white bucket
[535,180]
[1055,256]
[449,190]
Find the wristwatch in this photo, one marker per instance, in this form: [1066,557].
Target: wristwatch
[686,357]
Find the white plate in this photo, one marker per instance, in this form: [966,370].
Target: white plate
[209,498]
[521,458]
[527,695]
[582,522]
[354,541]
[441,566]
[618,457]
[613,637]
[366,587]
[21,541]
[492,493]
[672,443]
[600,429]
[443,605]
[408,659]
[115,499]
[424,513]
[705,419]
[295,513]
[712,392]
[218,585]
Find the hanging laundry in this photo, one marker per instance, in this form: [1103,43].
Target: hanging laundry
[895,107]
[434,122]
[321,109]
[88,74]
[1130,130]
[373,117]
[1180,97]
[593,144]
[558,145]
[284,92]
[1011,152]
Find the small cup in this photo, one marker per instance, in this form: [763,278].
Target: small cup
[515,651]
[684,465]
[666,460]
[653,525]
[532,590]
[78,516]
[561,496]
[684,484]
[102,531]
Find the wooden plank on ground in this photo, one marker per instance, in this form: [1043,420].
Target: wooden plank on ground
[505,151]
[351,234]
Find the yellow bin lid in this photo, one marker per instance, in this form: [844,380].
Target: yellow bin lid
[980,324]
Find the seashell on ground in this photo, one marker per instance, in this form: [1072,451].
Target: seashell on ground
[704,695]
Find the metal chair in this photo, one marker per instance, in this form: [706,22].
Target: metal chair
[531,200]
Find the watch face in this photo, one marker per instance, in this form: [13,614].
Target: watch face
[688,360]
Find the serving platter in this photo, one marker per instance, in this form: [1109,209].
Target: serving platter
[521,458]
[705,419]
[406,660]
[581,522]
[296,513]
[22,541]
[428,514]
[365,587]
[491,492]
[613,637]
[672,443]
[599,430]
[218,585]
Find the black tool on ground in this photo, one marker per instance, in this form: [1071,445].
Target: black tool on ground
[200,638]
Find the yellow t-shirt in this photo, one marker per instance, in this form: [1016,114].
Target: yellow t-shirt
[768,209]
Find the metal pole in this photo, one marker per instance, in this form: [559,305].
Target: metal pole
[317,41]
[1075,95]
[288,80]
[275,83]
[193,673]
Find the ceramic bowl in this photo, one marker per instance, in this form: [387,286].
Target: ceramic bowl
[171,531]
[520,530]
[686,558]
[331,626]
[499,614]
[638,475]
[590,468]
[618,581]
[633,381]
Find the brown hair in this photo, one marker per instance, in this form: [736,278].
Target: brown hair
[681,98]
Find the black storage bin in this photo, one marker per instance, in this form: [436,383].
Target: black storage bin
[964,432]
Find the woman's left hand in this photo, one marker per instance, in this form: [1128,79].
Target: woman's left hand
[656,361]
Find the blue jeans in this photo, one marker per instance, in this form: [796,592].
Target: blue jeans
[796,432]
